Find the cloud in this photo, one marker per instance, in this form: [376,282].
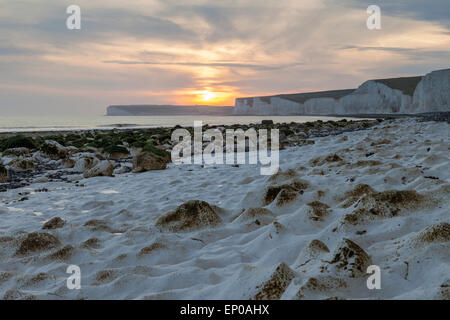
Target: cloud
[436,10]
[159,51]
[199,64]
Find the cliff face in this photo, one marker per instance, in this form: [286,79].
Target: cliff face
[433,92]
[262,106]
[383,96]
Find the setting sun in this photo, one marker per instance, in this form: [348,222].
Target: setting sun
[208,96]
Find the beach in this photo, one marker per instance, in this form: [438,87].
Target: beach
[346,197]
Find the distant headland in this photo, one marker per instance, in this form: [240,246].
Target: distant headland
[168,110]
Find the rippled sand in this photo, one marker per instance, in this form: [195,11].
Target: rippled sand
[373,197]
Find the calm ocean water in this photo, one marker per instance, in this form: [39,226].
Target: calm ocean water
[23,124]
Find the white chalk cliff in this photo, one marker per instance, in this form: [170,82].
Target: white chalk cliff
[409,95]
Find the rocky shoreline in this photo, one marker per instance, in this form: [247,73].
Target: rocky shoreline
[70,156]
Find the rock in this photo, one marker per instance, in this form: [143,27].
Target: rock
[19,141]
[316,247]
[352,196]
[21,164]
[85,163]
[310,252]
[38,241]
[444,291]
[100,225]
[15,294]
[274,288]
[103,169]
[53,150]
[146,161]
[435,233]
[192,215]
[63,253]
[318,210]
[22,151]
[153,247]
[122,169]
[116,152]
[91,243]
[350,259]
[286,193]
[54,223]
[68,163]
[256,217]
[315,287]
[324,160]
[4,174]
[118,156]
[267,122]
[386,204]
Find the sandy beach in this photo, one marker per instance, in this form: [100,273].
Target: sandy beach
[344,202]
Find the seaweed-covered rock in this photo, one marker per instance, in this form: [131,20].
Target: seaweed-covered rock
[274,288]
[192,215]
[4,176]
[332,158]
[318,287]
[317,210]
[54,223]
[62,254]
[286,193]
[20,164]
[102,169]
[53,150]
[68,163]
[116,152]
[386,204]
[37,241]
[18,141]
[85,163]
[350,259]
[146,161]
[435,233]
[21,151]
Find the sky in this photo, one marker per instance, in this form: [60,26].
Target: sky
[198,52]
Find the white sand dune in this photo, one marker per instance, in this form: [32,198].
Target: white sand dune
[294,248]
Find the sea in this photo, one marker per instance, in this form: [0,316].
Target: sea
[65,123]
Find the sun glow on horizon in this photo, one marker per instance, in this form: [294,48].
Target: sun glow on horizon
[207,96]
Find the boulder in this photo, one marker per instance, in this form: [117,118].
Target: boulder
[85,163]
[277,284]
[350,259]
[38,241]
[22,151]
[4,175]
[54,223]
[146,161]
[103,169]
[21,164]
[68,163]
[53,150]
[192,215]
